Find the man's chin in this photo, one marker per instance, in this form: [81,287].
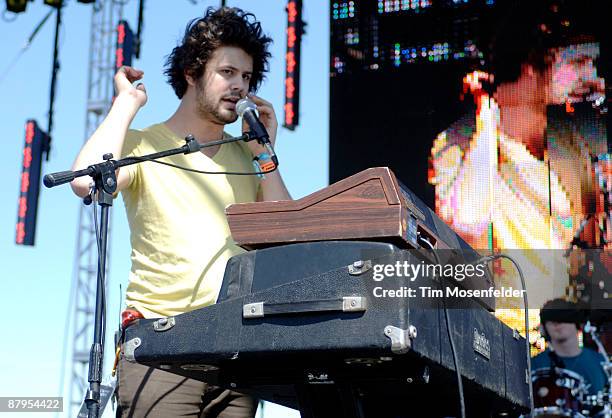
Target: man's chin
[232,119]
[224,118]
[227,116]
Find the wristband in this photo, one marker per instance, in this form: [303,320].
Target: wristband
[264,156]
[262,163]
[257,169]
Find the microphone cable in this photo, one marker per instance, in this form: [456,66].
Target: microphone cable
[231,173]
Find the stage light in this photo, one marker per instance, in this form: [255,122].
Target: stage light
[16,6]
[54,3]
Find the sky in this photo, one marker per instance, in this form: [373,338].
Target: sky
[35,289]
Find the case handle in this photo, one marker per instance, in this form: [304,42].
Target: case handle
[345,304]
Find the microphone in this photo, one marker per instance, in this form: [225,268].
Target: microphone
[246,109]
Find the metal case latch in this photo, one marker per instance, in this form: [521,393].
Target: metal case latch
[129,348]
[359,267]
[400,338]
[164,324]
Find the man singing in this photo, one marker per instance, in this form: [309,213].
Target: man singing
[179,234]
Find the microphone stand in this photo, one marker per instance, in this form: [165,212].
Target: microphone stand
[105,184]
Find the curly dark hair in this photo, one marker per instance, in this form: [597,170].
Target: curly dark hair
[526,33]
[519,39]
[219,27]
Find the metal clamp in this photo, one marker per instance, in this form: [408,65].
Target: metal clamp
[359,267]
[164,324]
[400,338]
[354,304]
[130,348]
[253,310]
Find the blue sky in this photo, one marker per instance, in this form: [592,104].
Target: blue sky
[34,293]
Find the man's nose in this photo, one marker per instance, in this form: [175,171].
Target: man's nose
[240,86]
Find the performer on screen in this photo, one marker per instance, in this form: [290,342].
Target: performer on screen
[507,177]
[179,234]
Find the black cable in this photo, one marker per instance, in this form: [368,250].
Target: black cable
[103,291]
[138,41]
[54,71]
[25,46]
[232,173]
[448,330]
[526,308]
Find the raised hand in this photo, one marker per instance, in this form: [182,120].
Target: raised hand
[124,87]
[267,116]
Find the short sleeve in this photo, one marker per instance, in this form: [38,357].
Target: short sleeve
[131,148]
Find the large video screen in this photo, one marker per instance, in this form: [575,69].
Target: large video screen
[494,112]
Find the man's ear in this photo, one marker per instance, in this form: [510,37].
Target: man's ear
[190,80]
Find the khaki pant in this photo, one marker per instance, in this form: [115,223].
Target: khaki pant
[147,392]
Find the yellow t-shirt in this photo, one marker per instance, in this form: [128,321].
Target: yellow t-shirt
[178,230]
